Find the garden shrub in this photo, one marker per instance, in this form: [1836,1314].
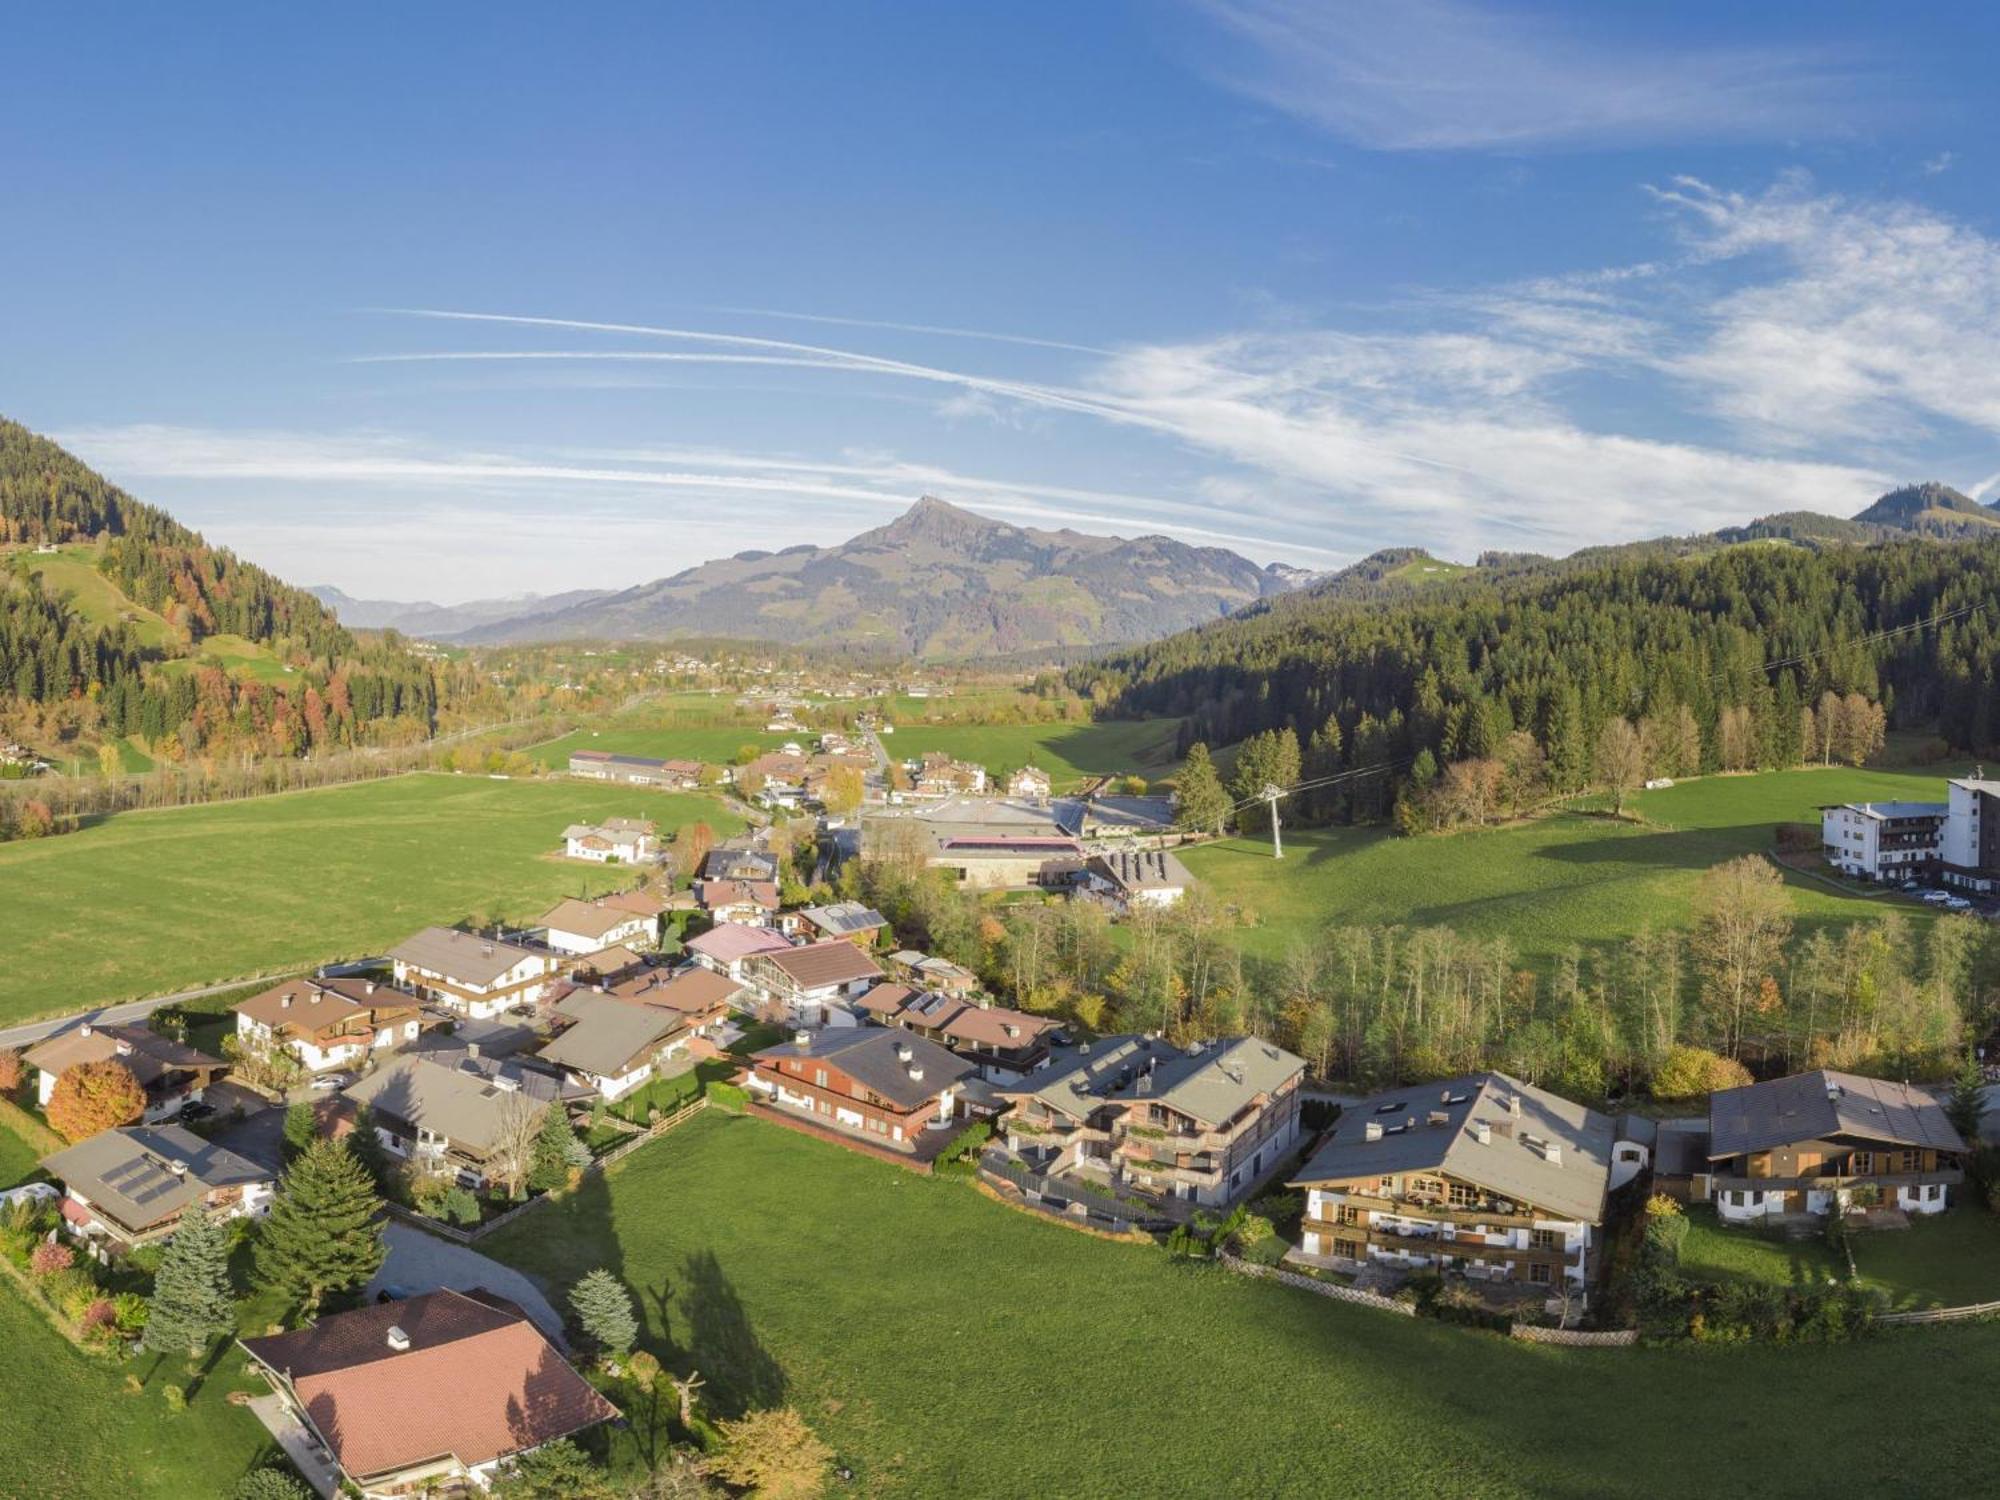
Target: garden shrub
[49,1257]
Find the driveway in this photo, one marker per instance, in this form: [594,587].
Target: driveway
[419,1262]
[260,1138]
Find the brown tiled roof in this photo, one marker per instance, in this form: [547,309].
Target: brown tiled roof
[713,893]
[587,919]
[988,1026]
[692,992]
[833,962]
[477,1382]
[885,999]
[145,1054]
[318,1003]
[638,903]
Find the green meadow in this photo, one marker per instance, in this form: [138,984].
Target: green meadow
[1068,752]
[150,902]
[945,1344]
[1572,877]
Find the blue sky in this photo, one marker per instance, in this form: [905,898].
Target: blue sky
[1304,279]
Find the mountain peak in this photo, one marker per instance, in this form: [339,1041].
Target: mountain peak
[1901,507]
[935,520]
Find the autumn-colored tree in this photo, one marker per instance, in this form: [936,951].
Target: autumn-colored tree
[1692,1072]
[1742,920]
[1620,761]
[13,1072]
[692,844]
[773,1455]
[91,1097]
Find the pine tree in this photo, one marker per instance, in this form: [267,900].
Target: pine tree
[366,1147]
[191,1303]
[301,1130]
[1204,805]
[549,1166]
[321,1234]
[603,1310]
[1967,1101]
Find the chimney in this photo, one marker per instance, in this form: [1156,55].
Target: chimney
[178,1167]
[903,1052]
[1372,1131]
[85,1029]
[284,1003]
[802,1039]
[398,1340]
[1482,1133]
[1552,1153]
[1514,1105]
[472,1051]
[916,1073]
[369,988]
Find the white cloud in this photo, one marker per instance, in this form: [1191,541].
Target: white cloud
[1452,75]
[1870,323]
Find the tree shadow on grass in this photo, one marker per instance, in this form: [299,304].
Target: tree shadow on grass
[740,1373]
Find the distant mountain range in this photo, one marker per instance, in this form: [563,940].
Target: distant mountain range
[937,581]
[435,621]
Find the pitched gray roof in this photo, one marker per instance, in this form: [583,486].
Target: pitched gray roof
[1433,1127]
[1816,1106]
[1211,1082]
[844,918]
[607,1035]
[464,956]
[873,1056]
[129,1172]
[1143,870]
[465,1107]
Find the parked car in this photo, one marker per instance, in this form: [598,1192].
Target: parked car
[1956,903]
[326,1083]
[196,1109]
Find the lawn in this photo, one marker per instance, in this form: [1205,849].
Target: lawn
[69,1428]
[1950,1261]
[1547,883]
[150,902]
[1068,752]
[947,1345]
[716,744]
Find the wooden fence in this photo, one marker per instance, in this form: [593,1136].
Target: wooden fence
[472,1236]
[1942,1314]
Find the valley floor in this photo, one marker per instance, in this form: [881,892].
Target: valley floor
[149,902]
[1566,878]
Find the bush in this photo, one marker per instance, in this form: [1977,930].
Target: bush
[133,1310]
[1690,1072]
[100,1320]
[458,1205]
[643,1368]
[175,1396]
[269,1484]
[50,1257]
[729,1096]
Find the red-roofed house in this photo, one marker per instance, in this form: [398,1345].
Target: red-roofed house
[724,947]
[441,1389]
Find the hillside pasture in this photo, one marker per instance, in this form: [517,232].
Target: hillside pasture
[72,571]
[1546,883]
[945,1344]
[152,902]
[1069,752]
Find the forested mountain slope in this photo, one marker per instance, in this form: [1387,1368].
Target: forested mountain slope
[116,620]
[1453,671]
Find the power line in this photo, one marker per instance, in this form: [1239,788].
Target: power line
[1866,640]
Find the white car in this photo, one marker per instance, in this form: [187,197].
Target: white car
[326,1083]
[1956,903]
[30,1192]
[1934,897]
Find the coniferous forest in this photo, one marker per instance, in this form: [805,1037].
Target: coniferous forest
[64,671]
[1736,646]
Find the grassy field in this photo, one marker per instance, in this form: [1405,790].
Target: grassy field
[73,571]
[714,743]
[947,1345]
[150,902]
[1567,878]
[1950,1261]
[69,1429]
[1068,752]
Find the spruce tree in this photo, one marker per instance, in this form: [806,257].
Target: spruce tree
[554,1151]
[321,1234]
[301,1130]
[603,1310]
[366,1147]
[1204,805]
[191,1303]
[1967,1101]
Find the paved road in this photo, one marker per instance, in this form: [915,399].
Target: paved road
[30,1032]
[419,1262]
